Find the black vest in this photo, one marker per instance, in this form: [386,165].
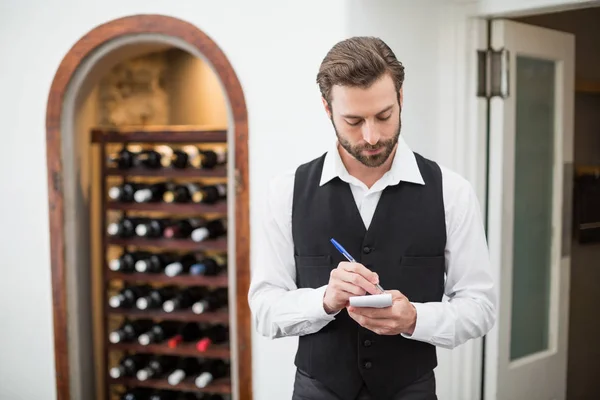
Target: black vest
[404,244]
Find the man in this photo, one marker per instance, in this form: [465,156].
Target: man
[413,227]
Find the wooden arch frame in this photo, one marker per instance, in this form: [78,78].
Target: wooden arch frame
[173,27]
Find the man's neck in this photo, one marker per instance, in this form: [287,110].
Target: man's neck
[367,175]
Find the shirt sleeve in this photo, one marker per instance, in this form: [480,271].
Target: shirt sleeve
[469,310]
[279,308]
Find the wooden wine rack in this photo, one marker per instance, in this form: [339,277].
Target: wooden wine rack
[175,137]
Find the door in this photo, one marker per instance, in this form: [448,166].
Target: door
[530,167]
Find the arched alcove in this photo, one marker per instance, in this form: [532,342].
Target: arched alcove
[69,208]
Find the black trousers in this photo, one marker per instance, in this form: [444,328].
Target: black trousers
[308,388]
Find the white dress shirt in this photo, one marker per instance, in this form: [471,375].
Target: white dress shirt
[281,309]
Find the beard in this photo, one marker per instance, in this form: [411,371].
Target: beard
[374,160]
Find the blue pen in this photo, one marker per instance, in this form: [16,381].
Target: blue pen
[342,250]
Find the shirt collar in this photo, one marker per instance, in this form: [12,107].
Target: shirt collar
[404,166]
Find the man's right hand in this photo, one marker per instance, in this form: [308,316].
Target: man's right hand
[347,280]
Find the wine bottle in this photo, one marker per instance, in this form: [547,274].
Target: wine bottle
[183,228]
[182,266]
[213,229]
[162,394]
[151,192]
[127,297]
[188,366]
[192,396]
[124,228]
[215,334]
[211,301]
[189,332]
[173,395]
[156,298]
[166,152]
[211,370]
[208,159]
[182,157]
[222,189]
[152,228]
[215,396]
[124,159]
[210,194]
[157,366]
[209,266]
[183,299]
[155,263]
[126,262]
[150,159]
[123,193]
[137,394]
[221,156]
[129,330]
[129,365]
[182,193]
[158,333]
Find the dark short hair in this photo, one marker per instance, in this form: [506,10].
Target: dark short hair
[358,62]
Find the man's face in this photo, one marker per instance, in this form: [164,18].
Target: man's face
[367,121]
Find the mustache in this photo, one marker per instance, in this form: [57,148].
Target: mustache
[374,146]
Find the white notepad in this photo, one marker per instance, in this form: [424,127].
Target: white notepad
[374,300]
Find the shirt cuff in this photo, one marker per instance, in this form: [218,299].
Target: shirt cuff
[316,310]
[425,325]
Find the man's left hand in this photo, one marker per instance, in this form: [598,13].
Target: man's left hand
[400,317]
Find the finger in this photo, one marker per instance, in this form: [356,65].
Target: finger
[396,295]
[348,288]
[356,279]
[341,275]
[371,323]
[375,325]
[371,312]
[360,269]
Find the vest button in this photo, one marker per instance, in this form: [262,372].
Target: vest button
[367,249]
[368,364]
[367,343]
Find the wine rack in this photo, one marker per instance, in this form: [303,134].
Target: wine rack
[110,142]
